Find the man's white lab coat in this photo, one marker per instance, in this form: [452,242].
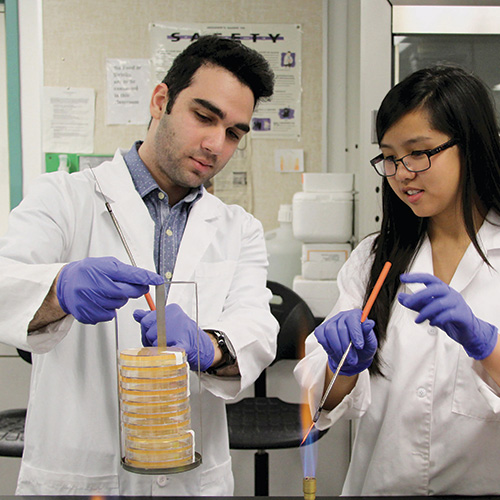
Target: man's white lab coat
[432,425]
[72,428]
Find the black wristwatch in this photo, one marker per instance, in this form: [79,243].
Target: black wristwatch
[228,352]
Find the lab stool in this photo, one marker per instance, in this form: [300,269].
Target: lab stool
[12,432]
[12,425]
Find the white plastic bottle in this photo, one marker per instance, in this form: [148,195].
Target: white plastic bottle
[63,163]
[284,251]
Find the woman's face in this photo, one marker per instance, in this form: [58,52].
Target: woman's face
[434,192]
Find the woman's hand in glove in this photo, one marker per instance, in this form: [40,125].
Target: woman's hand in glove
[336,333]
[445,308]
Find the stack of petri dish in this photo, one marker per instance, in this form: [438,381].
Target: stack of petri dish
[154,407]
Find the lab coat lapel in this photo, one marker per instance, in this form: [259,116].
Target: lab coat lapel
[471,263]
[488,237]
[421,264]
[129,209]
[467,268]
[198,235]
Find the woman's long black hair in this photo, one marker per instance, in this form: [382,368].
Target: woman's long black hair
[460,105]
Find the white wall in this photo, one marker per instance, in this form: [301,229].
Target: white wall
[359,75]
[368,80]
[4,143]
[31,64]
[31,69]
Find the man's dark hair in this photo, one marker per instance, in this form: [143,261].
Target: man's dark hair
[246,64]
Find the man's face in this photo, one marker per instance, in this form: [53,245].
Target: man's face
[206,123]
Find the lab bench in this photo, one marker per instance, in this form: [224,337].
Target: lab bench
[454,497]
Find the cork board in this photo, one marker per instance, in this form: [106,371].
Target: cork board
[79,36]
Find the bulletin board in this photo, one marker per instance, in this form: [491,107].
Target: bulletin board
[80,37]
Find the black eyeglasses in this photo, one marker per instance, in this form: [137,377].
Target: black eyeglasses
[416,161]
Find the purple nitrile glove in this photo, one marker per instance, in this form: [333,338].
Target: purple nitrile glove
[92,289]
[336,333]
[445,308]
[181,332]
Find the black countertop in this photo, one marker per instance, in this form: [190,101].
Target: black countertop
[99,497]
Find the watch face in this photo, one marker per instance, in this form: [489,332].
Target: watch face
[226,347]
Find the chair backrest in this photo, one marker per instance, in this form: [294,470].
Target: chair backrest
[25,355]
[296,322]
[295,319]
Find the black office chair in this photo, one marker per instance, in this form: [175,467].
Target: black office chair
[12,425]
[262,423]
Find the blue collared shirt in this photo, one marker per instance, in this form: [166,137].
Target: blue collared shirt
[170,222]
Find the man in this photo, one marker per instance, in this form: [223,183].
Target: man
[63,277]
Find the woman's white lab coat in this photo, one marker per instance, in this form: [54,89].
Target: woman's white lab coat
[71,437]
[432,425]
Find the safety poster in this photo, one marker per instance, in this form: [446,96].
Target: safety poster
[280,44]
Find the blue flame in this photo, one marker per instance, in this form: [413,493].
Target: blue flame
[309,454]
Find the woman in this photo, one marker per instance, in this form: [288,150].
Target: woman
[423,376]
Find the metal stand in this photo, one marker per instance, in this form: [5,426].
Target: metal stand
[170,470]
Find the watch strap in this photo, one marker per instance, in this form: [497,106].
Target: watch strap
[228,354]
